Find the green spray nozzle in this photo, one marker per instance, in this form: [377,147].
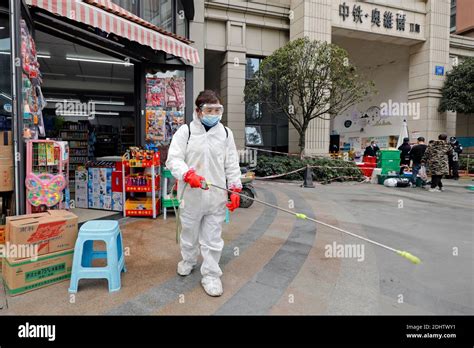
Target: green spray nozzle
[409,256]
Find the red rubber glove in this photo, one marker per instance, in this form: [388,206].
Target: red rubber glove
[234,200]
[193,179]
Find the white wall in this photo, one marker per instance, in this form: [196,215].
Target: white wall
[386,65]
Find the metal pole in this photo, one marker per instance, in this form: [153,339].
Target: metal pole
[17,114]
[467,165]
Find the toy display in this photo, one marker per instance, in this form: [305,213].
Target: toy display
[44,189]
[174,92]
[174,120]
[47,168]
[155,125]
[155,94]
[164,107]
[136,157]
[141,179]
[140,183]
[33,100]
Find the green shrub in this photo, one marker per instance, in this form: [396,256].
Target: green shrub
[274,165]
[463,163]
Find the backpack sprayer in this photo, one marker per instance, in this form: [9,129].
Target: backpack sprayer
[405,254]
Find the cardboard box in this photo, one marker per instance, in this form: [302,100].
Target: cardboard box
[6,154]
[117,201]
[26,275]
[81,201]
[81,183]
[106,202]
[52,231]
[6,138]
[2,234]
[6,177]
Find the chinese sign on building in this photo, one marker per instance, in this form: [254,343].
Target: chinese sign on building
[380,18]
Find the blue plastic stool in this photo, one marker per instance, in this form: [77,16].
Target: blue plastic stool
[109,232]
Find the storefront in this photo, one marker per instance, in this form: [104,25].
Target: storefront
[95,80]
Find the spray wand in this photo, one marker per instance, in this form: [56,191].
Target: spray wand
[404,254]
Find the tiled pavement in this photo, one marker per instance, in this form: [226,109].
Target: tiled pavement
[276,264]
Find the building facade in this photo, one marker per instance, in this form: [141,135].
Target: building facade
[404,46]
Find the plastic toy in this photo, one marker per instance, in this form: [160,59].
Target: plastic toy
[45,189]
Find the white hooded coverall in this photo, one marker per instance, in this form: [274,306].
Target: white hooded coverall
[213,155]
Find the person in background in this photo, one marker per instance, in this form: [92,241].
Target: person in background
[454,158]
[404,154]
[372,149]
[416,154]
[437,157]
[427,164]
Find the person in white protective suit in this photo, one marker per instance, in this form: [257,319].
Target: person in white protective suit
[204,151]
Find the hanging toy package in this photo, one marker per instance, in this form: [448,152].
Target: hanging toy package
[33,100]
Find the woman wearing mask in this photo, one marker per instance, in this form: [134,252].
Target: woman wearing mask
[204,151]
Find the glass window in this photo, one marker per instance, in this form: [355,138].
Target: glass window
[181,21]
[453,16]
[252,111]
[253,64]
[129,5]
[264,126]
[158,12]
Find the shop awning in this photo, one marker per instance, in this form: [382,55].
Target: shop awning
[111,18]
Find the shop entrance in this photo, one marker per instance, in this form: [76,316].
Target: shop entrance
[90,99]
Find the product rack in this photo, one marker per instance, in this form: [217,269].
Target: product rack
[77,134]
[136,180]
[59,164]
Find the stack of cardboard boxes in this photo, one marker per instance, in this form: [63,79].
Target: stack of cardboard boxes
[39,250]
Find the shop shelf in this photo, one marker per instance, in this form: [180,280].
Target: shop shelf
[74,139]
[170,202]
[140,188]
[139,212]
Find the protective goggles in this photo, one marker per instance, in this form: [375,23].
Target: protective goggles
[212,109]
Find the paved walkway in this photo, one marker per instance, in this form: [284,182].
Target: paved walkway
[276,264]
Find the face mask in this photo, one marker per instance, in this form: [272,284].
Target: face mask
[210,120]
